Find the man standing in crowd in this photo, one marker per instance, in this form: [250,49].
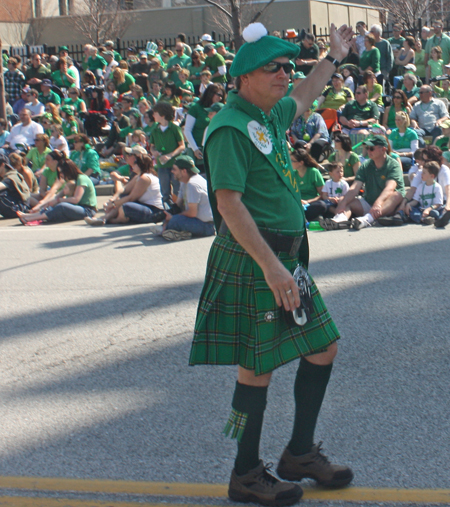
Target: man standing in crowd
[438,39]
[384,188]
[396,43]
[308,56]
[386,54]
[249,311]
[196,217]
[428,114]
[141,70]
[359,45]
[112,64]
[109,45]
[14,80]
[36,72]
[216,64]
[177,62]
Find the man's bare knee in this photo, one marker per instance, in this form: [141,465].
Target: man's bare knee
[324,358]
[249,378]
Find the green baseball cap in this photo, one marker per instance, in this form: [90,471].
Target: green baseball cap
[186,162]
[215,108]
[376,140]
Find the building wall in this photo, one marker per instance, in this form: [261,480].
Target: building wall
[199,19]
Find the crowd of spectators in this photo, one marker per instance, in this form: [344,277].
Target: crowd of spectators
[139,121]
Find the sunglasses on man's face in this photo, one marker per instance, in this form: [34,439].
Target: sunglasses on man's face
[371,148]
[274,67]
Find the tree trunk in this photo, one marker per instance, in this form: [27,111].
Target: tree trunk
[236,23]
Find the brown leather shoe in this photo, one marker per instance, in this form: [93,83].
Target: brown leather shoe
[259,486]
[313,465]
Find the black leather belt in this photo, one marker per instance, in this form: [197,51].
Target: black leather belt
[277,242]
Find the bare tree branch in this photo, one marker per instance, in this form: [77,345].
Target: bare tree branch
[219,7]
[261,12]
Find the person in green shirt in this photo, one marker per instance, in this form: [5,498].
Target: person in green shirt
[166,143]
[86,158]
[336,95]
[69,124]
[63,77]
[370,59]
[373,87]
[404,141]
[96,64]
[38,154]
[361,113]
[47,94]
[109,45]
[419,59]
[177,62]
[344,155]
[75,201]
[216,64]
[195,68]
[122,80]
[384,187]
[396,42]
[186,87]
[74,99]
[438,39]
[443,91]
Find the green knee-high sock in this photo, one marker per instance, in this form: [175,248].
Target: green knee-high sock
[249,400]
[309,391]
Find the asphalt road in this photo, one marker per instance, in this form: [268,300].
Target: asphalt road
[95,331]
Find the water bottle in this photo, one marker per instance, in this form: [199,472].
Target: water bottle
[314,226]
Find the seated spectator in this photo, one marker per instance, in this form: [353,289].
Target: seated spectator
[171,94]
[74,99]
[350,78]
[334,190]
[122,80]
[63,77]
[309,127]
[99,104]
[399,104]
[359,114]
[74,202]
[96,64]
[122,121]
[166,143]
[205,81]
[36,107]
[403,140]
[141,200]
[36,72]
[418,164]
[112,64]
[109,45]
[195,218]
[427,115]
[110,92]
[336,95]
[155,93]
[435,65]
[311,183]
[38,154]
[409,86]
[149,121]
[406,54]
[370,59]
[186,87]
[384,188]
[47,94]
[22,102]
[58,141]
[49,183]
[86,158]
[135,124]
[157,73]
[24,132]
[345,156]
[442,91]
[3,132]
[427,203]
[53,110]
[69,125]
[375,90]
[46,121]
[19,164]
[13,80]
[14,191]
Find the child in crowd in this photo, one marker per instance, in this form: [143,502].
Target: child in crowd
[442,142]
[3,132]
[427,203]
[205,80]
[58,141]
[435,63]
[332,192]
[444,92]
[418,158]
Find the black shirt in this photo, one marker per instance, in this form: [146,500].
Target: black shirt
[311,53]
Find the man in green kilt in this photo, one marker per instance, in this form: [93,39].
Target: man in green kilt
[250,295]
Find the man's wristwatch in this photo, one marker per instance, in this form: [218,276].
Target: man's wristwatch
[332,60]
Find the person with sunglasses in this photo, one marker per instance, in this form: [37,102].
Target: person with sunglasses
[360,114]
[216,64]
[438,39]
[427,115]
[308,57]
[177,62]
[384,188]
[249,311]
[399,104]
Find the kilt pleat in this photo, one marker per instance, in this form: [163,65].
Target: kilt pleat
[239,322]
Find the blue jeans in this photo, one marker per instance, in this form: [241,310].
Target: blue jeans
[407,162]
[416,214]
[95,178]
[193,225]
[142,213]
[165,179]
[67,212]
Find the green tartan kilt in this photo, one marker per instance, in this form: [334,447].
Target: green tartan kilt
[239,322]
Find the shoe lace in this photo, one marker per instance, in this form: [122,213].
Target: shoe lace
[266,477]
[320,456]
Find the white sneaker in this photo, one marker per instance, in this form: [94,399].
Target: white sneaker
[156,229]
[172,235]
[360,223]
[94,221]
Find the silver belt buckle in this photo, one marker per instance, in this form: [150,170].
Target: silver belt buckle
[295,246]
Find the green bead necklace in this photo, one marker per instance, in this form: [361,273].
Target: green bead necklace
[282,154]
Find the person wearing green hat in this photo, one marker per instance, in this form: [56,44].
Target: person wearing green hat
[249,311]
[69,124]
[384,187]
[195,217]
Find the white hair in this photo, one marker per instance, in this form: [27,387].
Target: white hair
[377,28]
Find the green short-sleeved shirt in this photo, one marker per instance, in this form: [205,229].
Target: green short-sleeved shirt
[442,143]
[336,99]
[89,197]
[441,93]
[69,127]
[236,164]
[309,183]
[396,44]
[182,61]
[371,59]
[166,142]
[443,42]
[353,111]
[37,159]
[52,97]
[214,62]
[401,142]
[348,164]
[195,73]
[186,86]
[198,112]
[126,85]
[96,63]
[61,79]
[375,179]
[377,88]
[76,104]
[124,170]
[50,176]
[87,159]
